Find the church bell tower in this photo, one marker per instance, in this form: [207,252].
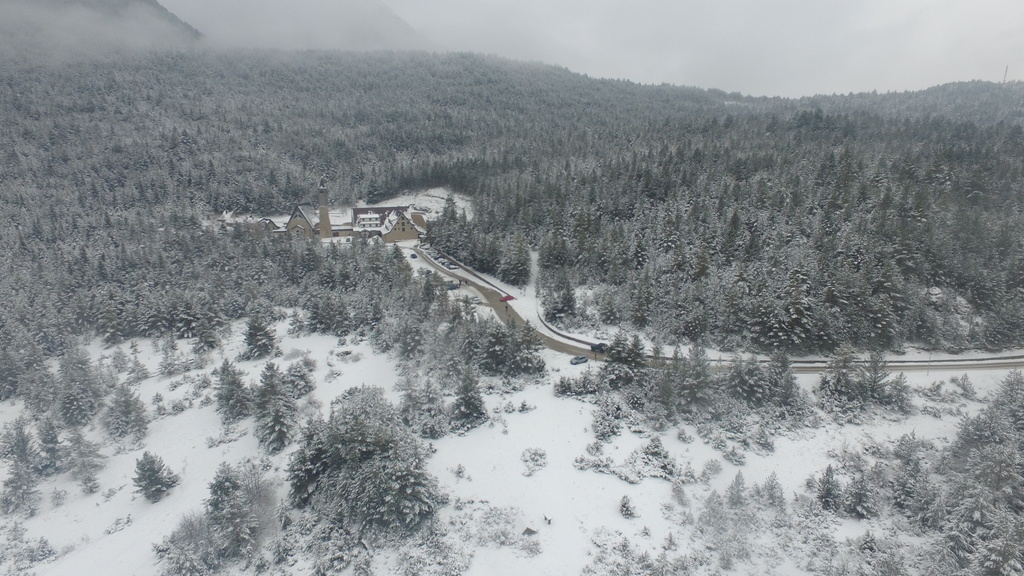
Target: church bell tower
[324,227]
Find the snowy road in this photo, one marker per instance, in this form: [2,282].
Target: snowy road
[492,295]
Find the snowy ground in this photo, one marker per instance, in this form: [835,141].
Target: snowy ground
[88,531]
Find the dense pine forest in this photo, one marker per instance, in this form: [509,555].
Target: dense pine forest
[834,224]
[693,215]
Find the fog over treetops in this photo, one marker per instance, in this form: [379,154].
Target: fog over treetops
[76,28]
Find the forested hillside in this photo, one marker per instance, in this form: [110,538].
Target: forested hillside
[875,220]
[830,224]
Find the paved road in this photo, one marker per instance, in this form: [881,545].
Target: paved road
[492,295]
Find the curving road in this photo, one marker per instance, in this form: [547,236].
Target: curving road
[492,295]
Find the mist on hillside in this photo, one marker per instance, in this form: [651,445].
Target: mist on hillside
[300,24]
[64,30]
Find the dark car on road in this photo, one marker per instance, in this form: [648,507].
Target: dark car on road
[601,347]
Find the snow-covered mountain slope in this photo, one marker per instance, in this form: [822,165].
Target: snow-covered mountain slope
[525,470]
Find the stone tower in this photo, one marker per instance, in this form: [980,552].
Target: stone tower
[324,228]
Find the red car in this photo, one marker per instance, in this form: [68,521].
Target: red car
[507,298]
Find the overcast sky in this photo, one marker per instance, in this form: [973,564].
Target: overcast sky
[758,47]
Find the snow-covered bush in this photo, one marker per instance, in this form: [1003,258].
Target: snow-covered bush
[582,385]
[535,459]
[608,417]
[626,508]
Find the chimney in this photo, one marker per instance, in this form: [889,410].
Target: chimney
[325,217]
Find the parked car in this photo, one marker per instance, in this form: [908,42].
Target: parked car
[452,285]
[578,360]
[601,347]
[508,298]
[475,299]
[413,255]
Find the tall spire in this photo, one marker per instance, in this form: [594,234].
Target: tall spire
[324,227]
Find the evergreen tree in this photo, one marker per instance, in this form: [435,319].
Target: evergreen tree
[736,493]
[21,451]
[234,524]
[84,461]
[515,262]
[468,410]
[559,297]
[838,389]
[274,410]
[372,467]
[830,492]
[126,414]
[510,351]
[422,408]
[771,493]
[153,478]
[20,493]
[298,377]
[51,459]
[310,462]
[747,382]
[260,340]
[625,363]
[233,396]
[1002,553]
[861,501]
[80,395]
[695,386]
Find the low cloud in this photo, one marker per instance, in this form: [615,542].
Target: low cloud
[76,31]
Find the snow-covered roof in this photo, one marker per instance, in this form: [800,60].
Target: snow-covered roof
[394,218]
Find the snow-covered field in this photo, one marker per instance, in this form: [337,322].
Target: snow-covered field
[111,532]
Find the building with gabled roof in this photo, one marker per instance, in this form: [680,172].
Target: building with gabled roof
[390,223]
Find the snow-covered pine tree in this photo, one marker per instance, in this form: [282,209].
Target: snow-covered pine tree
[839,391]
[20,492]
[22,452]
[830,492]
[234,399]
[468,410]
[515,262]
[736,493]
[260,340]
[51,449]
[771,494]
[373,464]
[84,460]
[422,408]
[782,386]
[309,462]
[298,377]
[746,381]
[695,388]
[860,498]
[152,477]
[126,414]
[625,363]
[626,508]
[80,395]
[234,525]
[274,410]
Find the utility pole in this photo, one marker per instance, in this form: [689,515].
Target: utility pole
[1005,73]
